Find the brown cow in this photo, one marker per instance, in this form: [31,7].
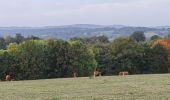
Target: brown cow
[97,73]
[75,75]
[8,78]
[124,73]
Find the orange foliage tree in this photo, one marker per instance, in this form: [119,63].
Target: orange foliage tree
[164,42]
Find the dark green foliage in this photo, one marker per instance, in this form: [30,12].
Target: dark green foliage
[19,38]
[5,41]
[138,36]
[8,66]
[37,59]
[2,43]
[59,56]
[92,40]
[155,60]
[83,60]
[155,37]
[32,38]
[103,58]
[32,59]
[126,55]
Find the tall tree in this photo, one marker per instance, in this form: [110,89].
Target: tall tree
[126,55]
[83,59]
[158,59]
[103,58]
[138,36]
[32,59]
[58,59]
[155,37]
[8,65]
[2,43]
[19,38]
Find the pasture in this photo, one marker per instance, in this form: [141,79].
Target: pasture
[135,87]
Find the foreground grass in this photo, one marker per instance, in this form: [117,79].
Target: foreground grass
[137,87]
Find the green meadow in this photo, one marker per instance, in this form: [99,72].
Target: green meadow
[133,87]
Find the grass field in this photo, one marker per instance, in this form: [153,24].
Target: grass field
[136,87]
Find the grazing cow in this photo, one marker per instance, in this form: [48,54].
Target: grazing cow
[97,73]
[124,73]
[75,75]
[8,78]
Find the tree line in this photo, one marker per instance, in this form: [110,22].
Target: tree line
[35,58]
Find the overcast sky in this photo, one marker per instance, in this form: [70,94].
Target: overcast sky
[103,12]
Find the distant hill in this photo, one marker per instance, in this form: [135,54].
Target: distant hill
[83,30]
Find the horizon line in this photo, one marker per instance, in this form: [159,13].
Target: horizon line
[102,25]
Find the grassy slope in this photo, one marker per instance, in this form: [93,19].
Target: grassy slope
[137,87]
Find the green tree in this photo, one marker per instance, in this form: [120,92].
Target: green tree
[8,39]
[126,55]
[156,59]
[155,37]
[83,59]
[12,48]
[2,43]
[138,36]
[103,58]
[58,59]
[32,59]
[92,40]
[19,38]
[8,65]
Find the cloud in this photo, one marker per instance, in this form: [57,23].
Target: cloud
[142,13]
[57,12]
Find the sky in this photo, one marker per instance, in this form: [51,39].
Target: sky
[102,12]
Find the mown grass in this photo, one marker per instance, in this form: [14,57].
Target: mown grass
[136,87]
